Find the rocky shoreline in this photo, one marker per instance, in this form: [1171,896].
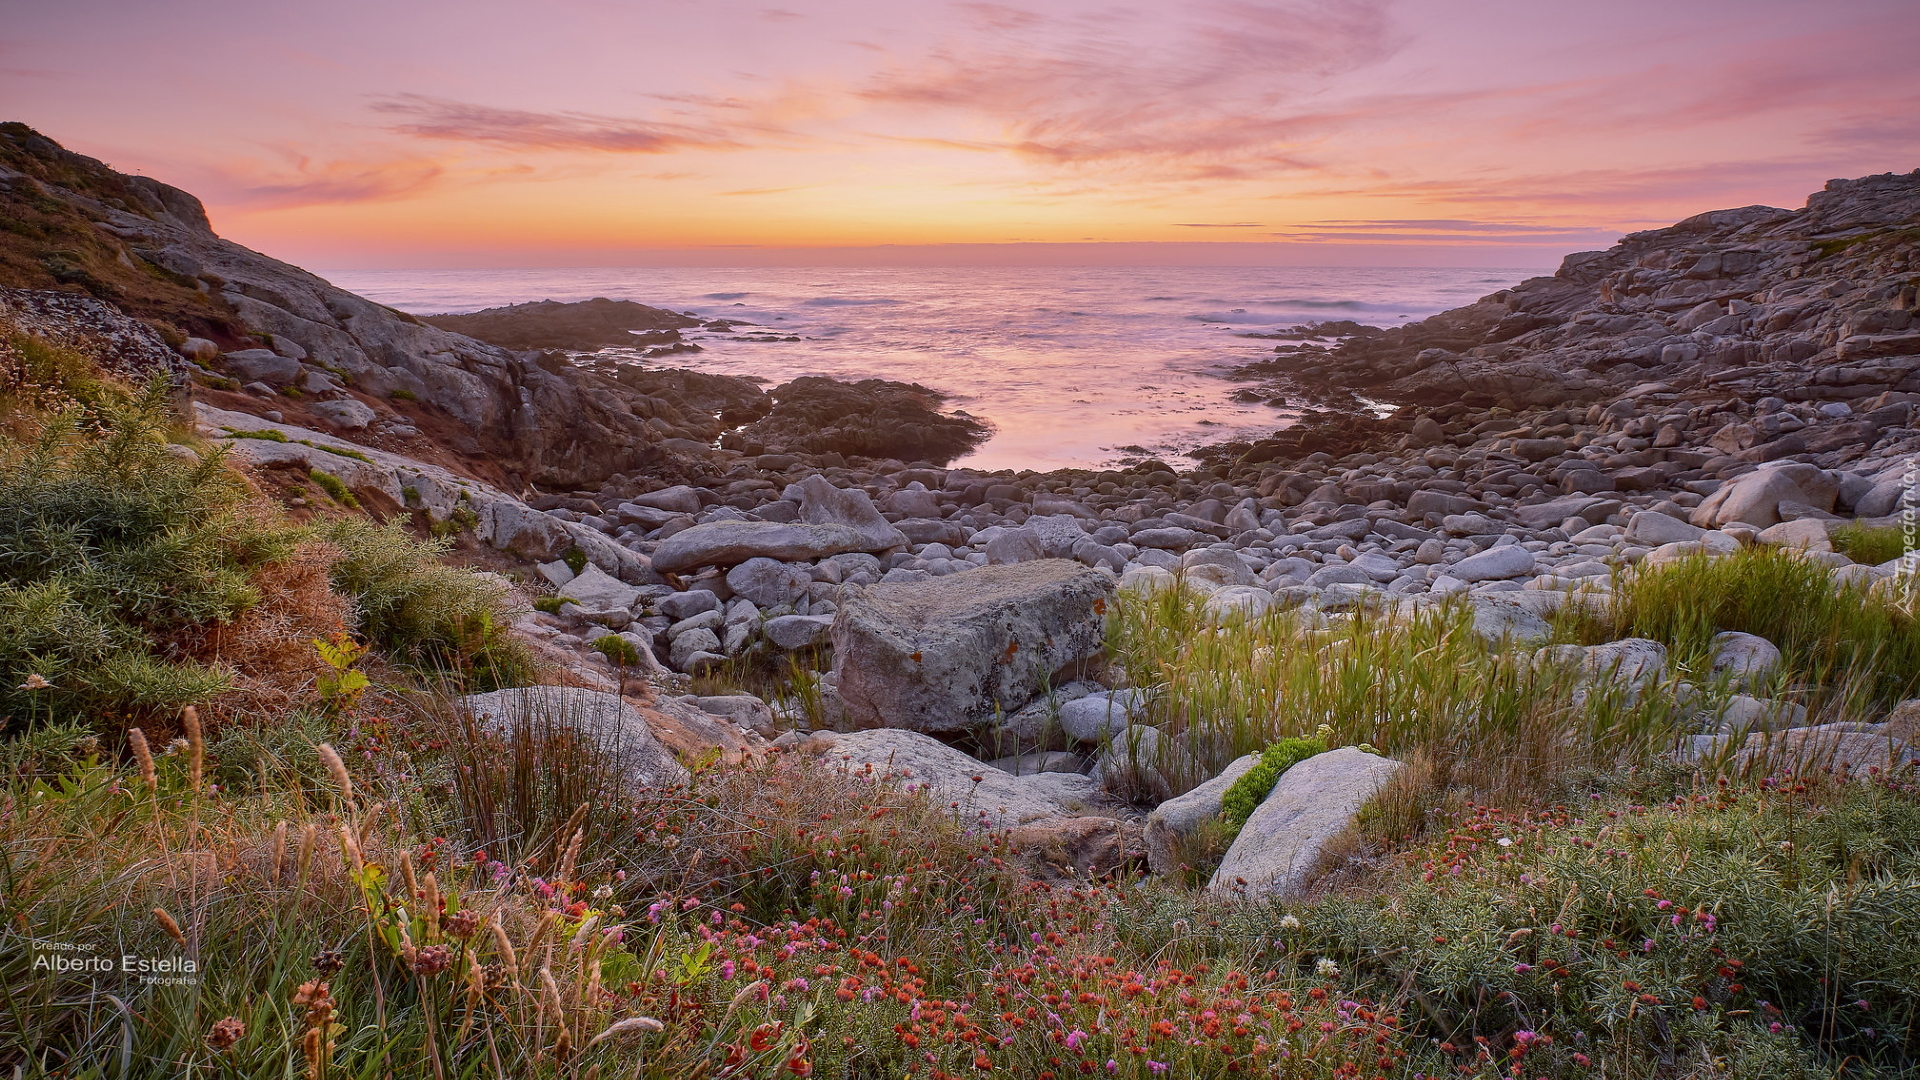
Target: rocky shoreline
[1746,377]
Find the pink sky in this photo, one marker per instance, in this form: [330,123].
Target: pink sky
[600,132]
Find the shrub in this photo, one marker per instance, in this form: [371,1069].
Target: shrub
[111,547]
[423,612]
[1246,793]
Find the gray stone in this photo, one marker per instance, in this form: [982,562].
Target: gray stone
[1168,538]
[1843,748]
[685,605]
[946,654]
[996,799]
[1745,657]
[1174,821]
[1494,564]
[743,709]
[1040,761]
[1218,565]
[729,543]
[1147,579]
[1014,546]
[615,727]
[1755,498]
[680,499]
[769,583]
[1238,603]
[1313,802]
[1635,661]
[1098,716]
[597,590]
[823,504]
[262,365]
[1741,714]
[1504,617]
[690,644]
[792,632]
[346,413]
[713,619]
[1654,529]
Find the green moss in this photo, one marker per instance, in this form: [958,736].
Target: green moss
[404,394]
[265,435]
[1247,793]
[548,604]
[335,490]
[617,649]
[575,559]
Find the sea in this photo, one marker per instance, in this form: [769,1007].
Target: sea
[1072,366]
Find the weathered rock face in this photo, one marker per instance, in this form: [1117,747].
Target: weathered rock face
[872,418]
[1314,801]
[729,543]
[943,655]
[1754,300]
[550,422]
[616,727]
[548,324]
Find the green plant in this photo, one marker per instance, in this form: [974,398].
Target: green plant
[1247,793]
[575,559]
[1868,545]
[422,611]
[113,552]
[1845,640]
[341,687]
[401,393]
[334,487]
[549,604]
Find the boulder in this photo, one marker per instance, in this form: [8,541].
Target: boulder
[597,590]
[1755,497]
[1217,565]
[1277,851]
[1741,714]
[1806,534]
[685,605]
[823,504]
[679,499]
[1096,717]
[982,793]
[729,543]
[616,728]
[1744,657]
[792,632]
[947,654]
[1014,546]
[1174,822]
[769,583]
[263,366]
[528,533]
[743,709]
[1238,603]
[1504,617]
[1844,748]
[1636,661]
[345,413]
[693,646]
[1494,564]
[1653,529]
[1147,579]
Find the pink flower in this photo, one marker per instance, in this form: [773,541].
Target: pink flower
[1075,1038]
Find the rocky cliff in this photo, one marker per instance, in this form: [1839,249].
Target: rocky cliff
[1801,304]
[148,248]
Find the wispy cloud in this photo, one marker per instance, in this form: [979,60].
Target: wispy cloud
[437,118]
[1219,225]
[310,183]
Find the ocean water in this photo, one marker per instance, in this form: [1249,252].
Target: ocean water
[1073,366]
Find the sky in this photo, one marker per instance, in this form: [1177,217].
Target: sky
[410,133]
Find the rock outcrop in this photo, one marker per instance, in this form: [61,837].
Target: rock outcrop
[948,654]
[870,418]
[1279,849]
[584,326]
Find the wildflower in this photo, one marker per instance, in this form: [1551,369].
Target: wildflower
[1504,842]
[1289,922]
[1522,969]
[432,960]
[327,961]
[1326,968]
[35,682]
[1075,1038]
[225,1033]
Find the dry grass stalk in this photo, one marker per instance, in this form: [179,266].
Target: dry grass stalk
[172,928]
[338,770]
[196,747]
[137,741]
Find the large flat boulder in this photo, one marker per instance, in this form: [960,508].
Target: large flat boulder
[945,654]
[730,543]
[1278,849]
[615,727]
[1174,822]
[976,791]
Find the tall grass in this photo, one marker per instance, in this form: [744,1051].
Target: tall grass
[1829,635]
[1489,719]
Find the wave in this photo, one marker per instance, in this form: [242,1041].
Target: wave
[836,301]
[724,295]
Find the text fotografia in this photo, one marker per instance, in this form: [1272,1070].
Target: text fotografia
[68,959]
